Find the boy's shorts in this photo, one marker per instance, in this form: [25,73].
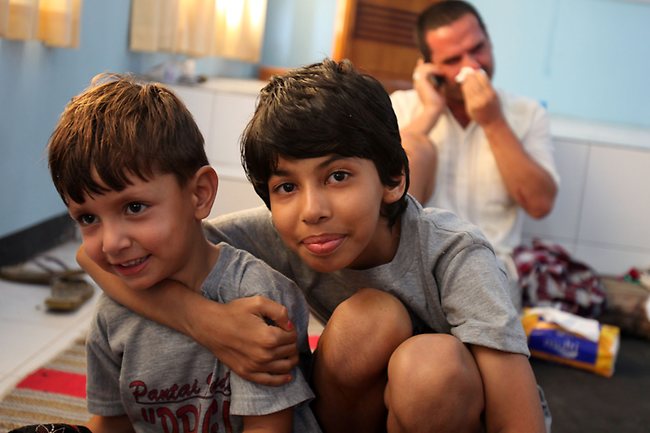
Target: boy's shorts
[419,325]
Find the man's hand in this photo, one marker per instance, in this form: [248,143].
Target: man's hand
[481,100]
[431,96]
[242,339]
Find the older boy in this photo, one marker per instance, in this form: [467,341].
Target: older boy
[420,333]
[128,161]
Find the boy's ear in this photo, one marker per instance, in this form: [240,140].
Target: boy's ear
[204,190]
[394,193]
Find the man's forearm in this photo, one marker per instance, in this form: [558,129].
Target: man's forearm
[527,182]
[423,163]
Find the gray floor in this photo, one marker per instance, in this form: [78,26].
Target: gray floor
[581,401]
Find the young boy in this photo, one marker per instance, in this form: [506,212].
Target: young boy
[420,333]
[128,161]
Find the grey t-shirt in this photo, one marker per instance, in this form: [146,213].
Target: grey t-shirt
[165,381]
[444,271]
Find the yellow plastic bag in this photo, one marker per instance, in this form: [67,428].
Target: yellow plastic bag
[568,339]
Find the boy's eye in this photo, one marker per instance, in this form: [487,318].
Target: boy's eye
[86,219]
[285,188]
[339,176]
[135,208]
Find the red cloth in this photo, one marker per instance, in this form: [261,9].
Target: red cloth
[55,381]
[549,276]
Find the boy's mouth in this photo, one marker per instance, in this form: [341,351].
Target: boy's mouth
[323,244]
[132,266]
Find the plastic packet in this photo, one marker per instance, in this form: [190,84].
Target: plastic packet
[573,340]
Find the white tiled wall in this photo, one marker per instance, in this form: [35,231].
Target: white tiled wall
[563,222]
[602,213]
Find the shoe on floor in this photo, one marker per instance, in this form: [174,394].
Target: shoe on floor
[69,292]
[40,270]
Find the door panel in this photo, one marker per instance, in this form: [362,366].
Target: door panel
[378,36]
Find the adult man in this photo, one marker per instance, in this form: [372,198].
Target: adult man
[477,151]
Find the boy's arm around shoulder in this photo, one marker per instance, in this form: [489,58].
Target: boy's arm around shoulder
[512,401]
[236,332]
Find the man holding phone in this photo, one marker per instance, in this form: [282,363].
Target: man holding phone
[477,151]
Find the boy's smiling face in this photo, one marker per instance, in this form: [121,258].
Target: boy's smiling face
[327,210]
[143,234]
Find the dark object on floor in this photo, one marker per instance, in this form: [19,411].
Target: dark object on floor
[627,305]
[584,402]
[51,428]
[38,270]
[69,292]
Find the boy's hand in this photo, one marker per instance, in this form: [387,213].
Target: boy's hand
[246,343]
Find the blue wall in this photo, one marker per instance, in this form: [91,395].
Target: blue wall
[585,58]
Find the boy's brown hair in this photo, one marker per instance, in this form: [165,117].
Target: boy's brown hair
[119,127]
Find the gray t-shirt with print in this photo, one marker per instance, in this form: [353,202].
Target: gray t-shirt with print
[165,381]
[444,271]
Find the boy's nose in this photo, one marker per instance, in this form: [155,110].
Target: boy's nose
[315,206]
[114,238]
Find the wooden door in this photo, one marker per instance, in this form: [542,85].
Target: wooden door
[378,36]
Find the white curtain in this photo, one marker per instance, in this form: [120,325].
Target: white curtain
[54,22]
[228,28]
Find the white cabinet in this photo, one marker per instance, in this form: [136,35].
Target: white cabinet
[222,109]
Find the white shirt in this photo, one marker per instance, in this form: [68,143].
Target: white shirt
[468,181]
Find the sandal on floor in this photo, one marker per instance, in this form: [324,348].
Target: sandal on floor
[69,292]
[40,270]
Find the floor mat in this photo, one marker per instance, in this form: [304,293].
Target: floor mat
[55,393]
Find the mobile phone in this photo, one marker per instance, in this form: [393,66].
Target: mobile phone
[437,80]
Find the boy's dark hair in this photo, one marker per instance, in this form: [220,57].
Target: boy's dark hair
[322,109]
[119,126]
[440,14]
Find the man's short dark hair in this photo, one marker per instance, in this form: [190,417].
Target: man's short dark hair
[322,109]
[440,14]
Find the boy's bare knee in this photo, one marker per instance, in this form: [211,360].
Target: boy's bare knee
[434,374]
[362,334]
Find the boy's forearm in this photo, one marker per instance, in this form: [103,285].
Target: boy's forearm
[278,422]
[170,304]
[110,424]
[235,332]
[512,400]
